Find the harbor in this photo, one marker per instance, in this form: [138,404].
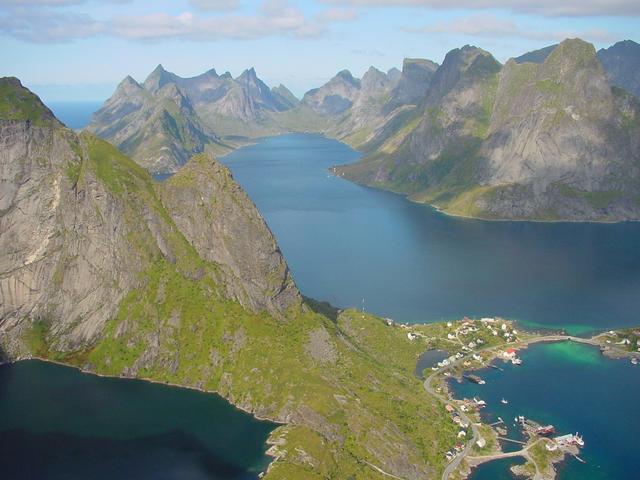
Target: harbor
[504,413]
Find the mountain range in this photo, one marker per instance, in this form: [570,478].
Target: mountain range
[550,135]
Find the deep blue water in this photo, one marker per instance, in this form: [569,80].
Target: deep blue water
[346,242]
[59,423]
[574,388]
[74,115]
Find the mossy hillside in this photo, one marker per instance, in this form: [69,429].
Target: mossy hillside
[598,200]
[20,104]
[263,365]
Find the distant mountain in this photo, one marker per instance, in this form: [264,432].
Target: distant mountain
[622,64]
[284,96]
[525,141]
[412,83]
[156,124]
[334,97]
[167,119]
[536,56]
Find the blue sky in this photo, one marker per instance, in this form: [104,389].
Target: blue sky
[81,49]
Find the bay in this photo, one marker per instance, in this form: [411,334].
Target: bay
[59,423]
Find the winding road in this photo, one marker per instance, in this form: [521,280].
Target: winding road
[453,465]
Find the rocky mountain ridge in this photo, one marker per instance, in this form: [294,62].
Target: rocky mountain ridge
[548,141]
[73,207]
[425,131]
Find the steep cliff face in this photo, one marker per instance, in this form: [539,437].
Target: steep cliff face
[621,61]
[417,149]
[413,83]
[157,125]
[79,222]
[561,142]
[203,192]
[548,140]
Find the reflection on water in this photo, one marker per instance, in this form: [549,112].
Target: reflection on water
[344,242]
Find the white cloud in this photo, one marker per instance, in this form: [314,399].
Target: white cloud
[338,15]
[273,17]
[41,26]
[541,7]
[488,26]
[218,5]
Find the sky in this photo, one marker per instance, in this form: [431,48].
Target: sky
[79,50]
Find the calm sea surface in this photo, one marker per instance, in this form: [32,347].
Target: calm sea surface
[345,242]
[574,388]
[59,423]
[74,115]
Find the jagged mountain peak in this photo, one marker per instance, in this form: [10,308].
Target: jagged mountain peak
[346,76]
[248,75]
[158,78]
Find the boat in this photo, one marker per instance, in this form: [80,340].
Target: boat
[475,379]
[516,361]
[578,440]
[504,402]
[546,430]
[634,360]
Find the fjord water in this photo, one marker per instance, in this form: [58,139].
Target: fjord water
[344,242]
[575,388]
[59,423]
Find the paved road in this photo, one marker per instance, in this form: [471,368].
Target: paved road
[476,434]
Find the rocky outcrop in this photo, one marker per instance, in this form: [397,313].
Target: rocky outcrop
[203,192]
[80,223]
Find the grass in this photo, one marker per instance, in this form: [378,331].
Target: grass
[18,103]
[598,200]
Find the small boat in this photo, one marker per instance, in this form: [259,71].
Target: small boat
[475,379]
[634,360]
[504,402]
[546,430]
[516,361]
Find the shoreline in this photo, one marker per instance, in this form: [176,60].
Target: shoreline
[269,442]
[463,463]
[445,213]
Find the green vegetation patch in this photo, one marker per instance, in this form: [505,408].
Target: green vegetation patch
[18,103]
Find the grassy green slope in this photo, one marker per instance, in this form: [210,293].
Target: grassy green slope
[17,103]
[344,388]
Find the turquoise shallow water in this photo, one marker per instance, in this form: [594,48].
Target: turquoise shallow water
[59,423]
[344,242]
[576,389]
